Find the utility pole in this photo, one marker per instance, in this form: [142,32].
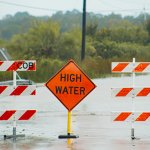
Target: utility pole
[83,30]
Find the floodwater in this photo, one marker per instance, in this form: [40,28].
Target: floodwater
[91,120]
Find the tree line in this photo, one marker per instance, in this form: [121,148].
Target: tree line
[53,40]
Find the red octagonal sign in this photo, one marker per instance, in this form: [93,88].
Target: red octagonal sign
[70,85]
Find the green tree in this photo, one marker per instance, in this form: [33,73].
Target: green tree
[40,41]
[69,45]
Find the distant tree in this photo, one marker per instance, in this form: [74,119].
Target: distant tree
[92,28]
[17,24]
[68,20]
[40,41]
[69,45]
[102,34]
[107,49]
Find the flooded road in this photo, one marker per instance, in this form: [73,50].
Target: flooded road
[91,120]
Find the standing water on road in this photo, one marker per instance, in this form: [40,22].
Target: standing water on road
[91,119]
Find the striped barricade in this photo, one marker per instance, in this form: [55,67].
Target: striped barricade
[19,90]
[130,92]
[20,115]
[129,67]
[19,65]
[128,116]
[134,92]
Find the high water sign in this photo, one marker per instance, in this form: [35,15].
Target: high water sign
[70,85]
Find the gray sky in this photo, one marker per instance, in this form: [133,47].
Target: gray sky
[48,7]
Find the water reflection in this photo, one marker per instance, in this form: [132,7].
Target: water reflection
[25,144]
[14,145]
[70,144]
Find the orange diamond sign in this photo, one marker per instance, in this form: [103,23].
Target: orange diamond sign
[70,85]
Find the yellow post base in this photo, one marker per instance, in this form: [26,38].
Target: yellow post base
[69,135]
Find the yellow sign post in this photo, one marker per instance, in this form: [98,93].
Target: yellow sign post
[69,122]
[69,134]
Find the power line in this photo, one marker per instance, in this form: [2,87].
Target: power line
[27,6]
[123,10]
[55,10]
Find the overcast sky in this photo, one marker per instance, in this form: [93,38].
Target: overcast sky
[48,7]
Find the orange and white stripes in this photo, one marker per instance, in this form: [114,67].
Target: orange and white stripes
[19,65]
[129,67]
[20,115]
[20,90]
[128,116]
[130,92]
